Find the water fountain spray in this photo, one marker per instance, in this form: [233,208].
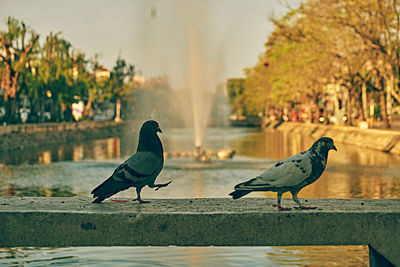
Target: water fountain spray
[198,80]
[193,53]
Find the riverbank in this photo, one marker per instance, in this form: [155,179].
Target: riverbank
[13,137]
[382,140]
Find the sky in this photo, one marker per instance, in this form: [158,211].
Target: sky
[159,37]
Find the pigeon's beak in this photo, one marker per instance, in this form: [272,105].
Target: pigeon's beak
[159,130]
[334,148]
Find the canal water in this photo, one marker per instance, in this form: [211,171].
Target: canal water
[75,169]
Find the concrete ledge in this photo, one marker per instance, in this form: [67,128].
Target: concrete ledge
[32,221]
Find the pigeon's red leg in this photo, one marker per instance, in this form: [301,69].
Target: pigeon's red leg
[280,208]
[138,189]
[301,207]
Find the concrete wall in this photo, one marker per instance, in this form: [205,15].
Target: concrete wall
[382,140]
[53,127]
[20,136]
[32,221]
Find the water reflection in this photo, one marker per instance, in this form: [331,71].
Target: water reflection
[187,256]
[101,149]
[312,255]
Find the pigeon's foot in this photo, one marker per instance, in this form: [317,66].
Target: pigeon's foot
[305,208]
[280,208]
[158,186]
[141,201]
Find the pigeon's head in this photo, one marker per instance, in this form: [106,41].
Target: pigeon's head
[148,138]
[323,145]
[150,128]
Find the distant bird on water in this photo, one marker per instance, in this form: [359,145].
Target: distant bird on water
[140,169]
[291,174]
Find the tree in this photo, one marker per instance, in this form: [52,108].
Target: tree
[15,53]
[257,94]
[235,89]
[351,44]
[53,76]
[117,87]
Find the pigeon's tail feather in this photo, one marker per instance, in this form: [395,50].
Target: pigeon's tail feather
[239,193]
[108,188]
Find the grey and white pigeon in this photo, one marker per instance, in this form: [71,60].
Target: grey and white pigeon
[291,174]
[140,169]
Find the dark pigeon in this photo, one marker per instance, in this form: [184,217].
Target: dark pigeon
[140,169]
[291,174]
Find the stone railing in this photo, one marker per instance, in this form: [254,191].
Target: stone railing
[59,221]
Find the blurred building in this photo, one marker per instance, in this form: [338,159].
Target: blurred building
[101,73]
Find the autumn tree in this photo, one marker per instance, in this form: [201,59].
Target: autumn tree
[353,45]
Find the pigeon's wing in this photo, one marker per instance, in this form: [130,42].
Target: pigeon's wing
[286,173]
[139,167]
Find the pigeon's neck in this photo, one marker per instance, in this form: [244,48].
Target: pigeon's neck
[320,149]
[150,144]
[318,164]
[320,152]
[323,152]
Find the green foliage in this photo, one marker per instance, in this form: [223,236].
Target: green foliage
[117,86]
[235,89]
[52,76]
